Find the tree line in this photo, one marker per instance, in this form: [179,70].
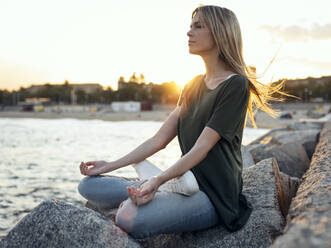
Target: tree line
[309,89]
[135,89]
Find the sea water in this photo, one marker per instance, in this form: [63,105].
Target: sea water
[39,158]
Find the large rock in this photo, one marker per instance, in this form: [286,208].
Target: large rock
[309,218]
[304,126]
[247,157]
[308,138]
[58,224]
[262,186]
[267,135]
[291,157]
[290,187]
[62,225]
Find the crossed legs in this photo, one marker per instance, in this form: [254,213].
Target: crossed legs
[167,213]
[186,184]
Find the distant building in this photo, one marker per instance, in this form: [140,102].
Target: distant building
[88,88]
[34,104]
[131,106]
[306,81]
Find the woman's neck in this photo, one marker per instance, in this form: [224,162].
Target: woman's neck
[215,68]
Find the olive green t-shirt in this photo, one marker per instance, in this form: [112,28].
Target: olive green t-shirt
[219,174]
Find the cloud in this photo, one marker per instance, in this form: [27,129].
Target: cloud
[298,33]
[311,63]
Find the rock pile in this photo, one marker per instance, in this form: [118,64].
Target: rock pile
[59,224]
[309,218]
[285,189]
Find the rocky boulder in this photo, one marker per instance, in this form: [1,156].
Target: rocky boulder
[307,138]
[309,218]
[267,135]
[246,157]
[290,187]
[58,224]
[262,187]
[291,157]
[296,126]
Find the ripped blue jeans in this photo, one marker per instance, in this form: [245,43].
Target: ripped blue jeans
[167,213]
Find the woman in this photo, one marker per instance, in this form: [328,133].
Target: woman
[209,121]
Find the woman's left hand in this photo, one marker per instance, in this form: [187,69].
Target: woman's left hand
[145,193]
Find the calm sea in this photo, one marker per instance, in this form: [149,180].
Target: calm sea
[39,158]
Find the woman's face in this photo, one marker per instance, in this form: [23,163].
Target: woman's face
[201,41]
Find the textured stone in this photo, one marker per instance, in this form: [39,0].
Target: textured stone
[309,218]
[262,187]
[304,126]
[267,135]
[308,138]
[291,157]
[246,157]
[58,224]
[290,187]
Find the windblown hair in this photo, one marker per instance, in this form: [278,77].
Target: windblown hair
[226,32]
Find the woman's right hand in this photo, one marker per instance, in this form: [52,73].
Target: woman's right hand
[93,168]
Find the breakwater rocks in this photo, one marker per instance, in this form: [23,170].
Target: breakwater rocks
[286,178]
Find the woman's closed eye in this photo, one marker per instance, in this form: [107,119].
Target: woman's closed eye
[196,25]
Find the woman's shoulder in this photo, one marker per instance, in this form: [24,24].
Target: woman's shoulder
[194,80]
[239,81]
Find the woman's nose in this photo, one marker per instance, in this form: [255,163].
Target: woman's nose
[189,33]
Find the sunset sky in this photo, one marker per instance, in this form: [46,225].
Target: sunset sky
[101,40]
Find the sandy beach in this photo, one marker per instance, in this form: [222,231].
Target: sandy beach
[298,111]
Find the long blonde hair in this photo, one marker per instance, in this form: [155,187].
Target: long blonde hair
[226,32]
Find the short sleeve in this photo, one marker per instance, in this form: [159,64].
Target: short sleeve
[181,96]
[187,86]
[231,107]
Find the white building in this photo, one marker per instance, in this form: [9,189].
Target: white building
[130,106]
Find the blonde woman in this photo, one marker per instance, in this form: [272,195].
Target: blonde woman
[204,187]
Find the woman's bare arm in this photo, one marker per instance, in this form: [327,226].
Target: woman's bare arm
[207,139]
[154,144]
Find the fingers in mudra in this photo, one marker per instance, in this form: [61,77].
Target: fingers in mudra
[83,168]
[135,198]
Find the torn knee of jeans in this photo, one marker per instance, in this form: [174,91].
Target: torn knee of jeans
[126,215]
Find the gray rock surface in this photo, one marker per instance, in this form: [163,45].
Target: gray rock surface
[262,187]
[308,138]
[290,187]
[291,157]
[304,126]
[309,218]
[268,134]
[246,157]
[58,224]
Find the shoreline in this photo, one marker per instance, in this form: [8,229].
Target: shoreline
[298,112]
[123,116]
